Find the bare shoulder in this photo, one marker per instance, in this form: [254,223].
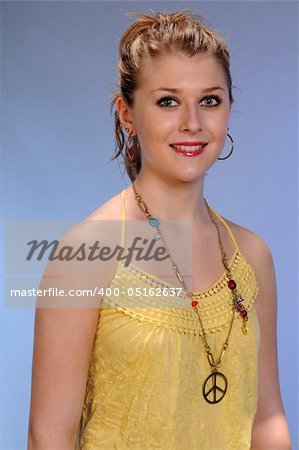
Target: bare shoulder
[102,226]
[252,246]
[257,253]
[110,210]
[86,254]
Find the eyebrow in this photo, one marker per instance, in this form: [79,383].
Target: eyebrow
[176,91]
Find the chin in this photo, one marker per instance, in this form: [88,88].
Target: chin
[181,175]
[190,176]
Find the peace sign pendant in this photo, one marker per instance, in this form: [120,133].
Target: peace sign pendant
[214,387]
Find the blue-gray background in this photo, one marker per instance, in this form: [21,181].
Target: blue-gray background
[58,69]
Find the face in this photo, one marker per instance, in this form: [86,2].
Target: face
[180,115]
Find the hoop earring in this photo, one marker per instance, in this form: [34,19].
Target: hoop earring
[231,149]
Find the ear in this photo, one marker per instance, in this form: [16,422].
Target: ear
[124,112]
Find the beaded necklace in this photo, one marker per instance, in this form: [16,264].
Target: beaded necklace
[215,384]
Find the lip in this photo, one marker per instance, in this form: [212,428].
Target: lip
[189,144]
[191,153]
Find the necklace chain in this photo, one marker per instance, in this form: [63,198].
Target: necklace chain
[236,299]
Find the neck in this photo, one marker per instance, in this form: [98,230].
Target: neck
[167,201]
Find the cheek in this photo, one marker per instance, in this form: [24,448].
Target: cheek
[219,124]
[222,140]
[155,126]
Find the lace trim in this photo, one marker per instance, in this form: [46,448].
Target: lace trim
[139,273]
[175,312]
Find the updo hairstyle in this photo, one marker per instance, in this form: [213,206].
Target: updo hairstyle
[151,36]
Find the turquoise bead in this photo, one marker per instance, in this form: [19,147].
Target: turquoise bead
[154,222]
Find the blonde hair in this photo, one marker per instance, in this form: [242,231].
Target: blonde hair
[151,36]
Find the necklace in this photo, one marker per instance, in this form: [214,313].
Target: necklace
[215,384]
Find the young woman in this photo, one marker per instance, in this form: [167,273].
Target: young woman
[195,365]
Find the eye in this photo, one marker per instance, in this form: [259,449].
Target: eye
[211,100]
[167,102]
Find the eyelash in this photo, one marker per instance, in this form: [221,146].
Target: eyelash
[215,97]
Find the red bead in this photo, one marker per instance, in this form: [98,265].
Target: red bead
[243,313]
[194,303]
[232,284]
[239,307]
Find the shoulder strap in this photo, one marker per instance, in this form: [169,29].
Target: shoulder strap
[123,218]
[227,227]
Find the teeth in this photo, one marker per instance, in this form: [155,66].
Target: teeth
[188,148]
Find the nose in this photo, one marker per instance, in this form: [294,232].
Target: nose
[190,119]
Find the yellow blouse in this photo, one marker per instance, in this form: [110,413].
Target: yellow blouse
[148,364]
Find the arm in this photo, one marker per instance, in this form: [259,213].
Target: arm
[270,430]
[62,347]
[64,334]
